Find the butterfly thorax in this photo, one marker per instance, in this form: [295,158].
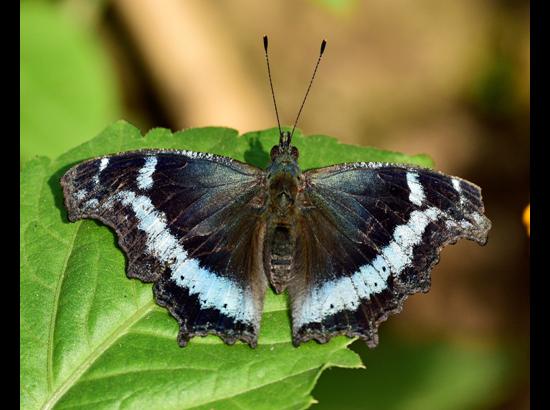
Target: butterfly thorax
[284,176]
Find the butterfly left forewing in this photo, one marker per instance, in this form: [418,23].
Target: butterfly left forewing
[370,234]
[188,222]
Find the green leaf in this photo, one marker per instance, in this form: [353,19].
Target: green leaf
[67,92]
[91,338]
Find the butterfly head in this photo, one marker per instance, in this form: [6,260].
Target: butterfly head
[284,156]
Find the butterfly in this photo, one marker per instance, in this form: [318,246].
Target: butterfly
[348,242]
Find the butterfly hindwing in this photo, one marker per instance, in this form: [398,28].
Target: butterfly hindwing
[369,234]
[188,222]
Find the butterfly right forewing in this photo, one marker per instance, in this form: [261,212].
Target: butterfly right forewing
[369,235]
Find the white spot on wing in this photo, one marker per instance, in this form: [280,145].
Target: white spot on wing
[458,189]
[456,185]
[417,192]
[145,177]
[91,204]
[198,155]
[80,194]
[102,165]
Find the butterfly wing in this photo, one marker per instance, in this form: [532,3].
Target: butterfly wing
[188,222]
[368,236]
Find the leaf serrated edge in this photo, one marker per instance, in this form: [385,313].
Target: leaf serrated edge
[329,364]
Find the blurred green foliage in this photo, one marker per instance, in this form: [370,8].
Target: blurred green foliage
[411,375]
[67,90]
[494,91]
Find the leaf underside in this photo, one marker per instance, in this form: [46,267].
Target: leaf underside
[91,338]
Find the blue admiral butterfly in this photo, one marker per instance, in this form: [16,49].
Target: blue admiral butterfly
[349,242]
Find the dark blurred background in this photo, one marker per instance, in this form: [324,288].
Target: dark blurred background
[443,77]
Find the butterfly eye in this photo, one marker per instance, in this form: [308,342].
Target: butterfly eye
[274,152]
[294,152]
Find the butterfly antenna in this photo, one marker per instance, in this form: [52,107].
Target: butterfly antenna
[323,45]
[271,85]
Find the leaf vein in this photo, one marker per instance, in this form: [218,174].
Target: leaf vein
[259,386]
[53,318]
[95,354]
[138,371]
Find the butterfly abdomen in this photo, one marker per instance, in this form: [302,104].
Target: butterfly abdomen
[280,254]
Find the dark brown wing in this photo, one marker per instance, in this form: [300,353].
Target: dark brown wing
[369,235]
[188,222]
